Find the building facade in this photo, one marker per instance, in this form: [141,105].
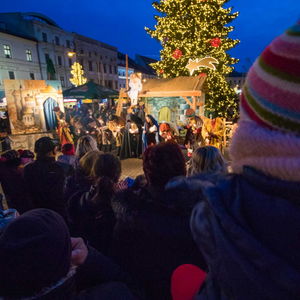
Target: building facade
[53,46]
[99,61]
[18,58]
[33,46]
[236,79]
[133,67]
[52,43]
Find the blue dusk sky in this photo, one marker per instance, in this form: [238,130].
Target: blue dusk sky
[121,22]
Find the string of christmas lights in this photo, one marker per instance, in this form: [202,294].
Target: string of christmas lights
[195,29]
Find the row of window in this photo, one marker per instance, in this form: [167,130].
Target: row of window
[11,75]
[7,53]
[96,54]
[106,68]
[107,83]
[123,73]
[56,40]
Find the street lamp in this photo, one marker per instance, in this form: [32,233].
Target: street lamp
[71,54]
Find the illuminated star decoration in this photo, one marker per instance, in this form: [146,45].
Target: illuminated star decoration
[206,62]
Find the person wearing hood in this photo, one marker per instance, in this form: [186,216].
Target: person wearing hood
[150,132]
[246,224]
[39,260]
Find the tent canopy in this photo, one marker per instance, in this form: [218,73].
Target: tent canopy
[89,90]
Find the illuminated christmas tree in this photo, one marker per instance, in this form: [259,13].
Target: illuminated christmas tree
[77,72]
[190,31]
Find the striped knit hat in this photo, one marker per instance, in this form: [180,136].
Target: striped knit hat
[271,95]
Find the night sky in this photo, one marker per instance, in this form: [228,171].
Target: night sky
[121,22]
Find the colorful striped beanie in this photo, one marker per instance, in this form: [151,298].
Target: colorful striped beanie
[271,94]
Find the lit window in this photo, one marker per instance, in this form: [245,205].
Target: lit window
[7,51]
[28,55]
[11,75]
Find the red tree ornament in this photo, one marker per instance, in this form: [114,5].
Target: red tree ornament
[202,75]
[161,71]
[177,54]
[216,42]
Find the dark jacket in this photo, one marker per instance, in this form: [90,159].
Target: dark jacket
[152,237]
[97,278]
[77,184]
[14,188]
[93,222]
[247,227]
[44,180]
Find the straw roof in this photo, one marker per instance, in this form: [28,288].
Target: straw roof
[172,87]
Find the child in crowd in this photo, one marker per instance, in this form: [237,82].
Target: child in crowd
[68,156]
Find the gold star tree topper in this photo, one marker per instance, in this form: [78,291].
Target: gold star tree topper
[206,62]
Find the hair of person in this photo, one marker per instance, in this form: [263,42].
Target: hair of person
[27,154]
[107,165]
[152,120]
[107,172]
[85,144]
[206,159]
[164,127]
[162,163]
[44,146]
[11,158]
[86,163]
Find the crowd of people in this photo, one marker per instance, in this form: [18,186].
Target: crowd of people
[129,134]
[198,228]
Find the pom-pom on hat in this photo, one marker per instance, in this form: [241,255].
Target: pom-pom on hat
[271,94]
[186,282]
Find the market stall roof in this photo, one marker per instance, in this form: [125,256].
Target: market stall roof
[173,87]
[89,90]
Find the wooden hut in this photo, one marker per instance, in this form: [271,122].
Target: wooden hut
[167,99]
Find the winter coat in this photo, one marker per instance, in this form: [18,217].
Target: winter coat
[97,278]
[67,159]
[152,237]
[44,179]
[14,188]
[247,227]
[78,184]
[94,223]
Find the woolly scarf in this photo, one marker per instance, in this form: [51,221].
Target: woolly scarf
[275,153]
